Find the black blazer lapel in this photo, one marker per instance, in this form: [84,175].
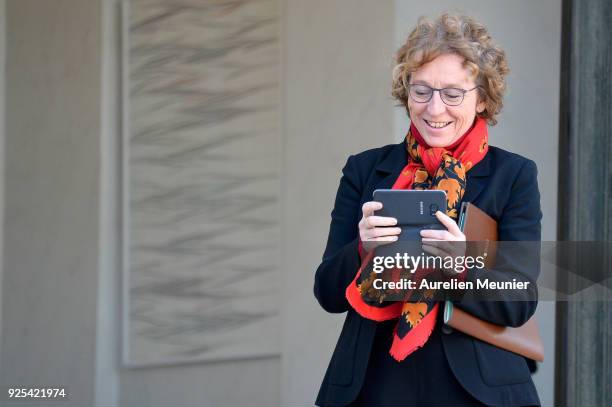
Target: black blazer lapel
[390,167]
[477,179]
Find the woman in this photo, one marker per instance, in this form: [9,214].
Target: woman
[450,76]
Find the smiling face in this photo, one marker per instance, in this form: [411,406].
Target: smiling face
[439,124]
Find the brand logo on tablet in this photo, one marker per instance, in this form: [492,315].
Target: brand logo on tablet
[421,207]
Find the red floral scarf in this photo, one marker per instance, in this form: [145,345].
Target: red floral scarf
[428,168]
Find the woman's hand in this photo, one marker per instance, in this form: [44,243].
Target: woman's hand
[443,243]
[376,230]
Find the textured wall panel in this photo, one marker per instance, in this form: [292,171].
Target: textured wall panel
[202,180]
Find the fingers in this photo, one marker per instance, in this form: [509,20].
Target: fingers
[452,248]
[373,233]
[372,227]
[371,220]
[379,221]
[452,233]
[384,239]
[436,235]
[368,208]
[443,245]
[433,250]
[449,223]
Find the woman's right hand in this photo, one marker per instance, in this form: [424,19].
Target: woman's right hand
[376,230]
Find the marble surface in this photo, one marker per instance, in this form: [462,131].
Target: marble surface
[203,155]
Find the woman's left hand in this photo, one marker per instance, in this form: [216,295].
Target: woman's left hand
[449,242]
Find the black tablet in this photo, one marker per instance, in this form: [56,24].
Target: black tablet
[414,209]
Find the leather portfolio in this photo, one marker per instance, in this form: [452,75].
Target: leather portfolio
[525,340]
[480,231]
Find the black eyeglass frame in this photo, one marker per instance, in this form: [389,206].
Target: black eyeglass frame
[463,92]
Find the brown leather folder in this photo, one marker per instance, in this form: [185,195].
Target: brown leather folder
[480,229]
[524,340]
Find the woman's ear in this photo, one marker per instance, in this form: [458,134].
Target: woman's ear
[480,107]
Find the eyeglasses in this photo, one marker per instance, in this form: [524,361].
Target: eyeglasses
[450,96]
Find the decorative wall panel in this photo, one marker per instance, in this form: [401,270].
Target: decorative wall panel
[201,180]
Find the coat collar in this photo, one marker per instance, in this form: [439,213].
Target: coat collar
[396,158]
[391,165]
[477,178]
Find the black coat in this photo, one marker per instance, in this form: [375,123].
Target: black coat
[505,186]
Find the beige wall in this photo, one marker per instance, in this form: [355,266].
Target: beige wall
[2,141]
[337,64]
[62,276]
[60,296]
[253,382]
[51,195]
[108,314]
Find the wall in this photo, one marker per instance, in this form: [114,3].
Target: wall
[336,66]
[337,74]
[530,33]
[61,265]
[254,382]
[51,195]
[60,294]
[2,141]
[108,342]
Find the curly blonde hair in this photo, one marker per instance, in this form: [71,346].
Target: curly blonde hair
[461,35]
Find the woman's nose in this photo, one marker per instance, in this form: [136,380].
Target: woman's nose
[435,105]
